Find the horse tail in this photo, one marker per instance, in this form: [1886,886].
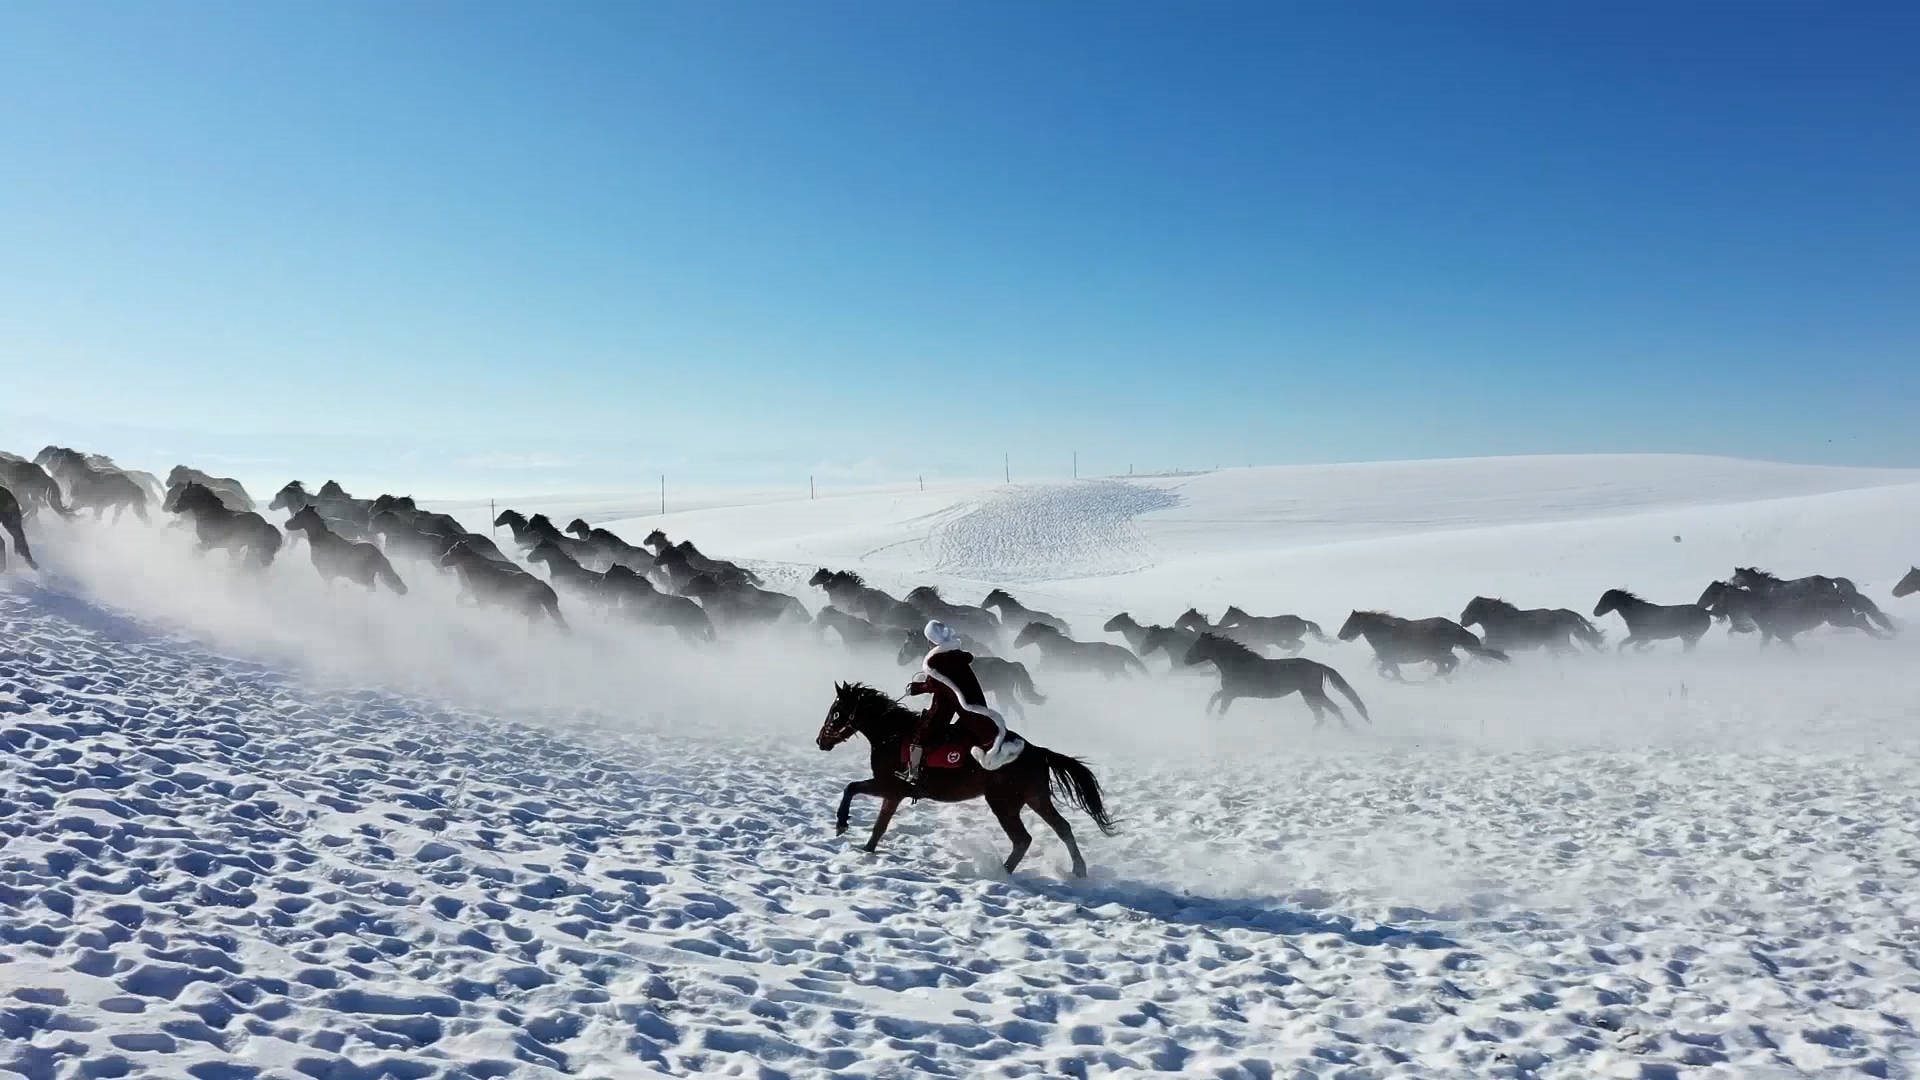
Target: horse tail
[1134,663]
[1078,785]
[1023,686]
[1340,683]
[383,570]
[1587,632]
[1314,629]
[55,502]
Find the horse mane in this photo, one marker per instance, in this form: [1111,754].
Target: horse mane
[1005,596]
[1763,575]
[860,694]
[925,592]
[850,578]
[1231,646]
[1627,594]
[1497,603]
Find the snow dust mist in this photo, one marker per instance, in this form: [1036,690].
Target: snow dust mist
[1248,804]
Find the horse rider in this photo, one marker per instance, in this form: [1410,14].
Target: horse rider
[958,702]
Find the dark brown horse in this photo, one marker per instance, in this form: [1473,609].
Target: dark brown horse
[31,485]
[1397,641]
[336,557]
[1909,584]
[1244,673]
[1028,781]
[1649,622]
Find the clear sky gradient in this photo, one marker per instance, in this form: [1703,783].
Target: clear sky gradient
[475,247]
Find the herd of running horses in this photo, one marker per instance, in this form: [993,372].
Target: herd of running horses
[677,587]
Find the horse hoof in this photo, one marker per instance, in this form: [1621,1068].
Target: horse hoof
[839,830]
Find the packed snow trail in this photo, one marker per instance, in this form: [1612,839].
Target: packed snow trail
[208,869]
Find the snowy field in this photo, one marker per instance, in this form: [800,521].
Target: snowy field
[250,827]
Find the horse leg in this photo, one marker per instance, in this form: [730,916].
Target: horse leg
[888,804]
[1214,701]
[1321,704]
[1692,641]
[858,787]
[1008,811]
[1226,701]
[1042,804]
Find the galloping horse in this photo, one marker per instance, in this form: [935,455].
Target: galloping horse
[32,486]
[1028,781]
[1511,628]
[335,556]
[1245,673]
[1767,584]
[1059,650]
[1648,623]
[1399,641]
[240,532]
[1780,614]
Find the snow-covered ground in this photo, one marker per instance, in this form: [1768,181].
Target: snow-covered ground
[251,827]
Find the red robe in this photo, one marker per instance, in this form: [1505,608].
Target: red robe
[947,674]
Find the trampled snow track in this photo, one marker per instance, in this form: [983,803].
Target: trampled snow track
[208,869]
[1049,531]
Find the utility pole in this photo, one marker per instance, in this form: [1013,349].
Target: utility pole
[1006,467]
[493,516]
[663,494]
[811,494]
[1076,464]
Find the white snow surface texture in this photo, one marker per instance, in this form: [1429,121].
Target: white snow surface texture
[254,827]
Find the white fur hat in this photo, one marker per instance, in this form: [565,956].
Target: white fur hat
[939,633]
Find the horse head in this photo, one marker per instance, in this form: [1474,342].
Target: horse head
[187,497]
[332,490]
[1192,620]
[1613,600]
[512,519]
[1234,616]
[844,715]
[1358,622]
[285,499]
[1033,632]
[821,578]
[1909,584]
[306,518]
[1120,624]
[580,528]
[912,646]
[180,474]
[656,539]
[1477,610]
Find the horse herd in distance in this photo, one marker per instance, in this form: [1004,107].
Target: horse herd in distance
[676,587]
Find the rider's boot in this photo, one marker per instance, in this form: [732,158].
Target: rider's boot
[911,774]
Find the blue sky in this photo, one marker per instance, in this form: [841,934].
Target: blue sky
[474,247]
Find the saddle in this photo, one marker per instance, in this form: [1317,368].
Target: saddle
[941,756]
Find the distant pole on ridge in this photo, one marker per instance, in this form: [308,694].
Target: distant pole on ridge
[1076,464]
[1006,467]
[810,491]
[493,515]
[663,494]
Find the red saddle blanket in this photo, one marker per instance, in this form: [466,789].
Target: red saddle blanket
[948,756]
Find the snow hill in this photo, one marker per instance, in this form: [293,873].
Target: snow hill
[251,827]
